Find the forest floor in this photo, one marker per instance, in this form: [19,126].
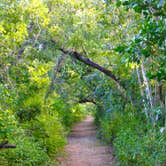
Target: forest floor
[84,149]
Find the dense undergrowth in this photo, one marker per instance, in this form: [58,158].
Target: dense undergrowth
[135,141]
[37,127]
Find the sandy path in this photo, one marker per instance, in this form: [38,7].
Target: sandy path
[84,149]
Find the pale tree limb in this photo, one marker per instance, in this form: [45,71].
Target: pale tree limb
[146,81]
[140,82]
[141,91]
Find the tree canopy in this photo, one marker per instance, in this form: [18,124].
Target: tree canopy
[58,56]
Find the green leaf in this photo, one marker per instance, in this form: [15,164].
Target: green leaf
[118,3]
[161,3]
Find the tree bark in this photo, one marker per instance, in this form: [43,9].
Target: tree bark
[6,145]
[160,94]
[148,91]
[141,91]
[140,82]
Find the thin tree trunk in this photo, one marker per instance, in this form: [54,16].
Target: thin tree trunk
[140,82]
[146,81]
[148,94]
[142,92]
[5,144]
[160,94]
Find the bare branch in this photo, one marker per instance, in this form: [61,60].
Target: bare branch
[5,144]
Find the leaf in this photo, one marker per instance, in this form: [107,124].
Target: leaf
[119,3]
[150,75]
[120,48]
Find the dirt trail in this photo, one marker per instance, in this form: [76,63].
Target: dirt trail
[84,149]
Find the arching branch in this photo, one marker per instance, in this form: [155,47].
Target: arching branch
[92,64]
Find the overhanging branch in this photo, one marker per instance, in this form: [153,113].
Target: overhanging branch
[92,64]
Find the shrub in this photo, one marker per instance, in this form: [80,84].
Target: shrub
[29,108]
[134,149]
[115,121]
[27,153]
[47,130]
[134,141]
[68,114]
[8,125]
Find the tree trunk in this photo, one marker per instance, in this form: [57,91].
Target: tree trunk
[148,91]
[142,92]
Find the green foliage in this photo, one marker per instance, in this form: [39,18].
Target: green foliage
[134,141]
[7,96]
[30,108]
[8,124]
[41,94]
[149,42]
[48,130]
[132,148]
[69,115]
[28,152]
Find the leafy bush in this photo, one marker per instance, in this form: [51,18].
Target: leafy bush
[29,108]
[8,124]
[131,148]
[68,114]
[37,138]
[115,121]
[134,141]
[48,130]
[28,152]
